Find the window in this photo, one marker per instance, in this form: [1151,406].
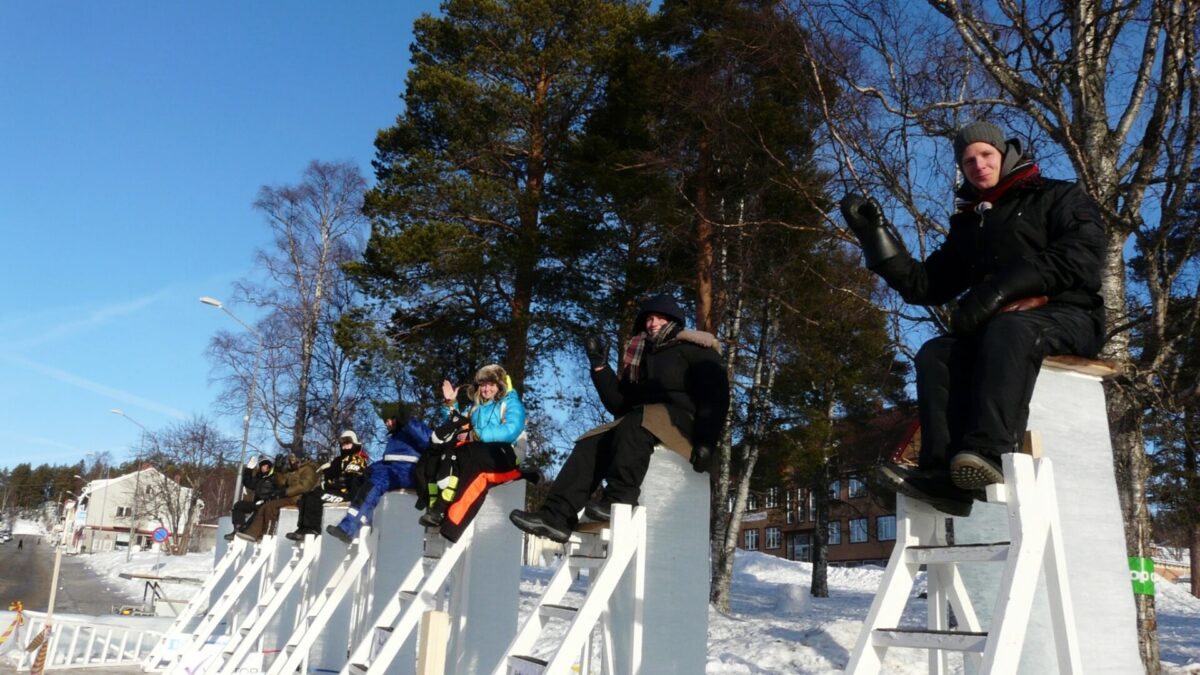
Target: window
[885,528]
[751,540]
[801,547]
[124,511]
[772,498]
[812,507]
[791,517]
[789,499]
[857,487]
[835,533]
[858,530]
[835,489]
[773,537]
[751,502]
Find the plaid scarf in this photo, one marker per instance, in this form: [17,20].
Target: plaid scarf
[631,361]
[970,199]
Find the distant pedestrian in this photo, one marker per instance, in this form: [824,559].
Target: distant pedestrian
[20,543]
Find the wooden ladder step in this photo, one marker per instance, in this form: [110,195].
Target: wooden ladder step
[520,664]
[565,612]
[997,551]
[953,640]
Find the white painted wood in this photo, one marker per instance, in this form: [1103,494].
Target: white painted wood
[178,634]
[623,541]
[676,571]
[220,612]
[281,590]
[1033,528]
[1068,410]
[313,625]
[485,600]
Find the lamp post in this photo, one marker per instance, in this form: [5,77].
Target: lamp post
[137,481]
[213,302]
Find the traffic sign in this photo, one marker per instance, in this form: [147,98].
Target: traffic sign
[161,534]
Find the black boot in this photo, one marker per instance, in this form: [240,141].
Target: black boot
[972,470]
[931,486]
[538,524]
[431,518]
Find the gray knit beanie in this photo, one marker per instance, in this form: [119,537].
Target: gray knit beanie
[978,132]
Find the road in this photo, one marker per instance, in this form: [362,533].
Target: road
[25,575]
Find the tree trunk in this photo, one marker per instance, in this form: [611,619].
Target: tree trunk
[1194,545]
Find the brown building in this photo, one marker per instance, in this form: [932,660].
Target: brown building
[780,519]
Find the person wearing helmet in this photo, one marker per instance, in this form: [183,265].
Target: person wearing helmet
[341,478]
[258,478]
[408,437]
[297,477]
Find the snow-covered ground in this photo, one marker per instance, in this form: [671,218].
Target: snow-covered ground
[33,528]
[774,625]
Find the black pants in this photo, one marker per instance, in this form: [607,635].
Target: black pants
[619,457]
[461,477]
[312,506]
[241,513]
[973,391]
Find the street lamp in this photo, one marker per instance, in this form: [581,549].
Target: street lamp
[213,302]
[137,481]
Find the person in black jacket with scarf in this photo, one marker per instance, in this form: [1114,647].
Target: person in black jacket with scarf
[1023,257]
[672,389]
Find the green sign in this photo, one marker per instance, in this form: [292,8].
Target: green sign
[1141,573]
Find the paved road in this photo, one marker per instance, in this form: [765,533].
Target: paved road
[25,575]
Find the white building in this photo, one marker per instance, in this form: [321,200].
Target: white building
[102,519]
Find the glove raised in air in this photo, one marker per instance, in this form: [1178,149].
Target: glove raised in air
[865,218]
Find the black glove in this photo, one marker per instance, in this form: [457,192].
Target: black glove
[701,458]
[865,218]
[981,301]
[597,351]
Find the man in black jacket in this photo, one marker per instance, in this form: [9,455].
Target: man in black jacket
[258,477]
[1023,258]
[672,389]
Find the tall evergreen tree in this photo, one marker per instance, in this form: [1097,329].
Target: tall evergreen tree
[463,265]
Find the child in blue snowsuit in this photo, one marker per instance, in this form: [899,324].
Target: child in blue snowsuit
[407,439]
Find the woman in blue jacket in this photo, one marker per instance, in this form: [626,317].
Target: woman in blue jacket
[471,457]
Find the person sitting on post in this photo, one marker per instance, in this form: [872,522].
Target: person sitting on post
[258,478]
[297,477]
[340,480]
[1023,257]
[408,438]
[474,447]
[672,389]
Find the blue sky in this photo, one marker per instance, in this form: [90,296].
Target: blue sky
[133,138]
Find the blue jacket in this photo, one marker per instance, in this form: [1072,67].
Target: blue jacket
[496,421]
[408,442]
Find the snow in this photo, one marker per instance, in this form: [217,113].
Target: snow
[774,625]
[33,528]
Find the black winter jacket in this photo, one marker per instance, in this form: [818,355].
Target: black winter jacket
[264,487]
[688,378]
[345,473]
[1053,225]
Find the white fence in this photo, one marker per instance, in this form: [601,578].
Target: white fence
[82,644]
